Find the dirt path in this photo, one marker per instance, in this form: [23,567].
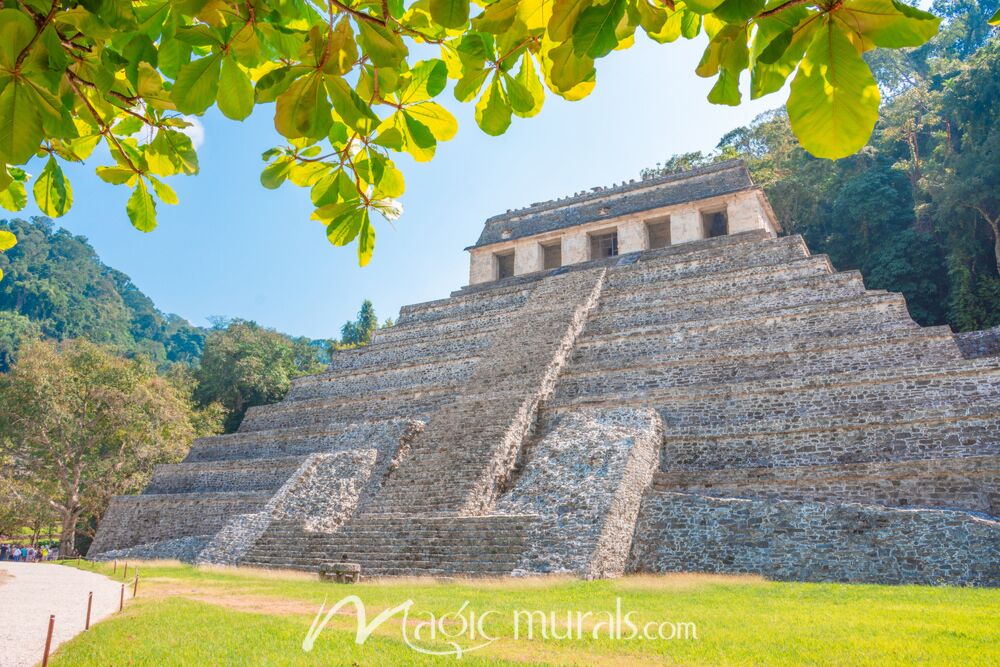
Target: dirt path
[35,590]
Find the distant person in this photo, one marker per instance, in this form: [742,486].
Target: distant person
[16,553]
[4,550]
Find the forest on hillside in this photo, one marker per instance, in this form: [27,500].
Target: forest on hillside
[917,210]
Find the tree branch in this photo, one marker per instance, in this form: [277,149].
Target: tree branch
[34,38]
[781,8]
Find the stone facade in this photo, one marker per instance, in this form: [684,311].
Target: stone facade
[729,404]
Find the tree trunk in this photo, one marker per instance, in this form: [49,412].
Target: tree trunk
[67,536]
[995,226]
[994,223]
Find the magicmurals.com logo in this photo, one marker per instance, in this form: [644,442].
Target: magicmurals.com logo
[465,630]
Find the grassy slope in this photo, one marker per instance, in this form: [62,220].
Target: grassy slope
[186,616]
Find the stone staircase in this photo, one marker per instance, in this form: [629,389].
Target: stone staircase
[392,546]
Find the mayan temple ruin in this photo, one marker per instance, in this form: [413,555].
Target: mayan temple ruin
[638,378]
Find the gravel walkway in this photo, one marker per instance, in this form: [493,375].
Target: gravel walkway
[35,590]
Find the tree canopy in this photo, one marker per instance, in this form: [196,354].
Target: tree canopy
[82,424]
[917,210]
[353,82]
[245,365]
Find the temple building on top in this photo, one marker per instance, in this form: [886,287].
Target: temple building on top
[642,215]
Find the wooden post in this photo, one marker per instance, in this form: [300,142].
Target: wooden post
[135,586]
[125,572]
[90,603]
[115,568]
[78,561]
[48,641]
[121,602]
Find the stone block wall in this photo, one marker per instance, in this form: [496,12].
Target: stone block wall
[783,539]
[146,519]
[917,439]
[969,483]
[584,479]
[975,344]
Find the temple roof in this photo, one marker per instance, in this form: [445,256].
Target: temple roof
[617,200]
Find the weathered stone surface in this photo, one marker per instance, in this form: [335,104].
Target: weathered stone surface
[784,539]
[584,480]
[976,344]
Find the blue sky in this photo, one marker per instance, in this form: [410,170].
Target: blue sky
[233,248]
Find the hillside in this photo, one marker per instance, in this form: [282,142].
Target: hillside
[56,286]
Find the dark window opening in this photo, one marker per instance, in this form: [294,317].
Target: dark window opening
[604,245]
[715,223]
[659,233]
[552,255]
[505,266]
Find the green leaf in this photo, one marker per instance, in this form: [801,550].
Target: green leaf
[171,152]
[14,197]
[304,109]
[738,11]
[417,137]
[16,31]
[141,208]
[164,191]
[392,183]
[276,82]
[493,110]
[276,173]
[197,84]
[527,78]
[20,122]
[115,175]
[343,49]
[52,191]
[779,44]
[366,238]
[383,46]
[345,221]
[334,187]
[565,14]
[726,90]
[350,107]
[426,80]
[497,17]
[7,240]
[833,104]
[521,101]
[469,85]
[594,31]
[570,76]
[887,23]
[703,6]
[236,93]
[436,118]
[450,13]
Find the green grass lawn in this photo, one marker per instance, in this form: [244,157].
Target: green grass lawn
[189,616]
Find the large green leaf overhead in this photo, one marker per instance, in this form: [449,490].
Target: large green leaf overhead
[833,104]
[354,83]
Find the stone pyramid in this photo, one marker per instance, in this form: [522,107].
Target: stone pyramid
[724,404]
